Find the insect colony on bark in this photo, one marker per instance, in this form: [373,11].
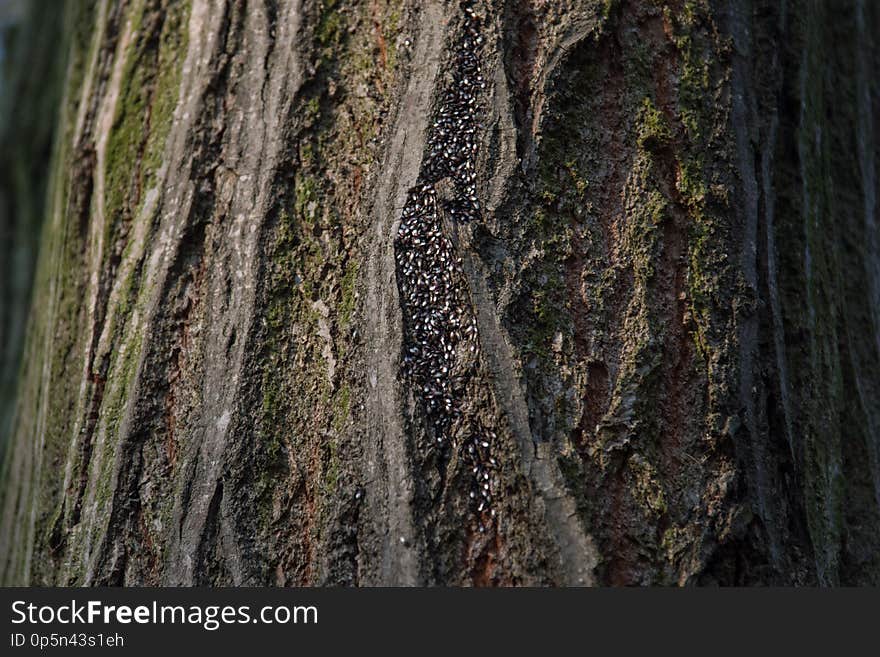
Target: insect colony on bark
[441,346]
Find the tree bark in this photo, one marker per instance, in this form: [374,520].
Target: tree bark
[673,269]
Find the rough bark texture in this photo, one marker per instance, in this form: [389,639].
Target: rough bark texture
[675,279]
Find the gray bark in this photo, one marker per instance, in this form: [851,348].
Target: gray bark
[674,274]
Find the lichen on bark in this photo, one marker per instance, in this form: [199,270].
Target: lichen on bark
[675,279]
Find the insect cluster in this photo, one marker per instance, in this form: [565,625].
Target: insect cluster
[441,345]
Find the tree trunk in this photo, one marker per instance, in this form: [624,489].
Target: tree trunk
[275,338]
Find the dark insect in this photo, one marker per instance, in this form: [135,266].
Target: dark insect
[440,331]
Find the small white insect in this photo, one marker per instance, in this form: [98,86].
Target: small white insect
[439,327]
